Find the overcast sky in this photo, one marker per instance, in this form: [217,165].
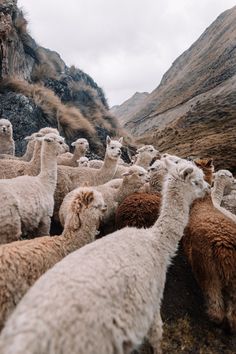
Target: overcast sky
[125,45]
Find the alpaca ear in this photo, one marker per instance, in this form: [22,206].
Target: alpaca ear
[48,140]
[209,163]
[73,144]
[168,163]
[121,140]
[108,140]
[127,173]
[87,198]
[186,172]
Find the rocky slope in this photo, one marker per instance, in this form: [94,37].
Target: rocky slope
[38,89]
[126,110]
[192,111]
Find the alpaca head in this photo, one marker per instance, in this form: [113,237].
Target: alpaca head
[48,130]
[172,158]
[83,162]
[113,149]
[87,207]
[54,142]
[81,145]
[226,179]
[136,176]
[5,128]
[148,152]
[190,178]
[159,167]
[206,165]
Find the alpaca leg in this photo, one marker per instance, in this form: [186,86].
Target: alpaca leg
[155,334]
[44,227]
[214,301]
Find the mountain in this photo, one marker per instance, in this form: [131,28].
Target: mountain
[128,108]
[192,111]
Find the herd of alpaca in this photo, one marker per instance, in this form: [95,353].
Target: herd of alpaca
[98,286]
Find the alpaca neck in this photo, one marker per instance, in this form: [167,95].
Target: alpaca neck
[218,192]
[48,173]
[174,215]
[143,161]
[124,190]
[108,169]
[74,239]
[35,161]
[29,151]
[156,182]
[77,155]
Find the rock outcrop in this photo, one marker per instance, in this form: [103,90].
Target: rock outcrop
[32,75]
[193,110]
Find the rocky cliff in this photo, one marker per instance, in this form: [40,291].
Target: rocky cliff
[38,89]
[193,110]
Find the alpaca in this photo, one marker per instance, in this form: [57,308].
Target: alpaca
[83,161]
[31,258]
[7,144]
[144,157]
[142,209]
[107,295]
[207,167]
[223,182]
[135,177]
[210,246]
[27,201]
[70,178]
[30,146]
[81,147]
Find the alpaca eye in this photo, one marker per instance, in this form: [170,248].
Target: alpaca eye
[141,174]
[112,147]
[60,142]
[196,183]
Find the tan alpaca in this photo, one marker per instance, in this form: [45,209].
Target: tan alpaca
[81,147]
[27,201]
[31,258]
[7,144]
[108,294]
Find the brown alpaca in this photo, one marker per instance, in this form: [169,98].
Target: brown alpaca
[210,246]
[207,167]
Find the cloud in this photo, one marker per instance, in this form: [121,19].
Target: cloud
[125,45]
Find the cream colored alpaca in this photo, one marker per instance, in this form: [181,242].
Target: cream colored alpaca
[107,296]
[144,157]
[132,180]
[70,178]
[223,180]
[83,161]
[30,145]
[7,144]
[27,201]
[81,147]
[31,258]
[172,158]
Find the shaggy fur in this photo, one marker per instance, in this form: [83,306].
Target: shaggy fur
[107,295]
[206,165]
[81,147]
[7,144]
[210,246]
[31,258]
[142,209]
[27,201]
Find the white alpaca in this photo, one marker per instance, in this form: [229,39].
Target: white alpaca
[107,296]
[81,147]
[27,201]
[130,183]
[70,178]
[31,258]
[7,144]
[223,183]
